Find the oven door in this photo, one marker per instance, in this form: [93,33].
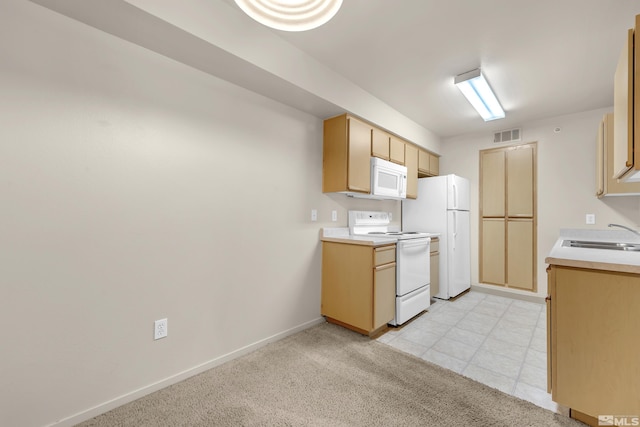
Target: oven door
[412,265]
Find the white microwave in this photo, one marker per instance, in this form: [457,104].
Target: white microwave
[388,180]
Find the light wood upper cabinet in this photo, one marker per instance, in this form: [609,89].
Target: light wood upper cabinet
[348,145]
[520,181]
[428,164]
[493,183]
[396,149]
[411,162]
[626,104]
[346,155]
[379,144]
[606,185]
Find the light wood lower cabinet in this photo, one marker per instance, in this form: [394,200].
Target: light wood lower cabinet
[358,285]
[593,324]
[435,266]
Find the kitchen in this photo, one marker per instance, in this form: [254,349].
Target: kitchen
[81,205]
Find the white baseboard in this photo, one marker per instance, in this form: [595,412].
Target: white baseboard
[137,394]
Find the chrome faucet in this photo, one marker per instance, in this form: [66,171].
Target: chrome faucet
[625,227]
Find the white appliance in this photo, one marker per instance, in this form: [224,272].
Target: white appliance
[413,294]
[388,181]
[442,207]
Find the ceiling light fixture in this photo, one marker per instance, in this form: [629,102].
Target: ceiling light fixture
[475,88]
[290,15]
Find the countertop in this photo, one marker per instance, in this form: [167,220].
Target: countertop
[341,235]
[596,259]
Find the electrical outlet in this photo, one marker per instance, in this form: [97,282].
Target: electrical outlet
[590,219]
[334,215]
[160,329]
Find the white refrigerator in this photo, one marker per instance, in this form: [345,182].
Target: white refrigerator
[442,207]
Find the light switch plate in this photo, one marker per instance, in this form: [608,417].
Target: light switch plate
[314,214]
[334,215]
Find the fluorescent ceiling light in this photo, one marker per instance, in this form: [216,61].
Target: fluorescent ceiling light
[475,88]
[290,15]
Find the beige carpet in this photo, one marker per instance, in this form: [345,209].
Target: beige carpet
[329,376]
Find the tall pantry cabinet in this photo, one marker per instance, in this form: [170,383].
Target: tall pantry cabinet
[508,216]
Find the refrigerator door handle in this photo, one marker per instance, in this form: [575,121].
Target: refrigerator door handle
[455,230]
[455,196]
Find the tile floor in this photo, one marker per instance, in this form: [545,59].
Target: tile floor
[498,341]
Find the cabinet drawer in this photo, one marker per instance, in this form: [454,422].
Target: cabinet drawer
[384,255]
[435,245]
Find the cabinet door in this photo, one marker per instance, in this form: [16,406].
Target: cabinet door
[435,273]
[600,161]
[611,186]
[359,156]
[434,165]
[493,183]
[595,345]
[520,253]
[493,250]
[423,163]
[384,297]
[520,182]
[411,162]
[623,110]
[396,149]
[379,144]
[347,294]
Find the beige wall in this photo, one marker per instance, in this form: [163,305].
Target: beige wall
[135,188]
[566,181]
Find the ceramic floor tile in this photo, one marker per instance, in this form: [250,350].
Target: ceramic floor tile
[533,376]
[525,319]
[499,299]
[490,308]
[539,344]
[466,337]
[449,317]
[497,363]
[510,337]
[517,328]
[433,326]
[421,336]
[444,360]
[455,349]
[530,306]
[498,341]
[536,358]
[490,378]
[506,349]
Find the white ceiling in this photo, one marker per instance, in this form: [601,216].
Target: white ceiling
[543,58]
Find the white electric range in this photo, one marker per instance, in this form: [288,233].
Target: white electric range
[413,294]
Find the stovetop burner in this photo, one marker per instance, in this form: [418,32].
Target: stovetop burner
[377,224]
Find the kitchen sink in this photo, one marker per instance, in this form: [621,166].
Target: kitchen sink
[614,246]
